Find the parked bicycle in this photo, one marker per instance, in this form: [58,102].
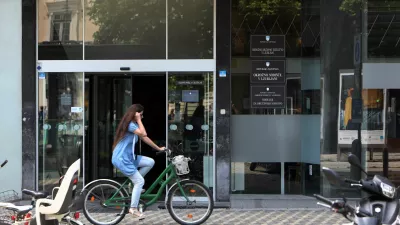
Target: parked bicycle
[111,200]
[52,208]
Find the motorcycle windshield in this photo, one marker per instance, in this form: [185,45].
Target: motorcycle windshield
[334,178]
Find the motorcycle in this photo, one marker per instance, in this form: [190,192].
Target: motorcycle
[380,206]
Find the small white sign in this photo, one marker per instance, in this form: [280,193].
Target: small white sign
[76,109]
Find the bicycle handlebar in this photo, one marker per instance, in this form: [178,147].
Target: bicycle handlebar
[324,200]
[168,151]
[4,163]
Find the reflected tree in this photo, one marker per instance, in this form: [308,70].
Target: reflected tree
[190,28]
[352,6]
[137,22]
[143,22]
[262,8]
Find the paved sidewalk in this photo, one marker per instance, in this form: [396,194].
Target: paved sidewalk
[246,217]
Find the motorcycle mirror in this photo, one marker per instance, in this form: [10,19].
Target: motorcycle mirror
[334,178]
[355,161]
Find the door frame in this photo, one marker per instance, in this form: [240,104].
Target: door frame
[135,66]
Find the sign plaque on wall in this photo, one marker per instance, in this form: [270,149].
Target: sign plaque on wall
[268,97]
[190,82]
[268,71]
[267,46]
[66,99]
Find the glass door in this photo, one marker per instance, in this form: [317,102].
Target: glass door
[60,125]
[103,92]
[109,97]
[190,121]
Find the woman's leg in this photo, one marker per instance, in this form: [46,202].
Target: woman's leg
[138,182]
[145,165]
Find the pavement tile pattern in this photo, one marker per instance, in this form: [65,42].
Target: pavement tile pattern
[246,217]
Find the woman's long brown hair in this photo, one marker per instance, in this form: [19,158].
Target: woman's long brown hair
[124,124]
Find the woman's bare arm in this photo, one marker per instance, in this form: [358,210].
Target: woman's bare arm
[148,141]
[141,131]
[141,126]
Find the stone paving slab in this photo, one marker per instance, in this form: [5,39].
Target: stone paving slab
[246,217]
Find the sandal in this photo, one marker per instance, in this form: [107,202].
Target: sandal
[136,214]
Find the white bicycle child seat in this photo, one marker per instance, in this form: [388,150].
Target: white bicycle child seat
[60,205]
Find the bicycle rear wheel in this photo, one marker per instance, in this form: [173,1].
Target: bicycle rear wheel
[193,209]
[95,208]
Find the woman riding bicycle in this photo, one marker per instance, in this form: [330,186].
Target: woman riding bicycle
[124,158]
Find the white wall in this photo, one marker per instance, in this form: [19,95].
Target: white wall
[10,94]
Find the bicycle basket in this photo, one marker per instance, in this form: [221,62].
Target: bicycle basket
[9,196]
[6,197]
[181,165]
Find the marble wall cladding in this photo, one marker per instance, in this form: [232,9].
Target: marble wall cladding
[223,99]
[29,94]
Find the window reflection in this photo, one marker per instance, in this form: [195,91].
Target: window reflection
[383,24]
[60,29]
[119,29]
[256,178]
[293,96]
[60,125]
[190,29]
[190,121]
[293,178]
[298,101]
[297,20]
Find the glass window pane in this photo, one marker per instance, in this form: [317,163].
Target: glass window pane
[190,121]
[293,178]
[256,178]
[383,24]
[282,18]
[298,101]
[60,121]
[60,30]
[190,29]
[121,29]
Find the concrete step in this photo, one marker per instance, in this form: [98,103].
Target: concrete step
[275,202]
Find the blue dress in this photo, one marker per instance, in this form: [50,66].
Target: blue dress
[124,157]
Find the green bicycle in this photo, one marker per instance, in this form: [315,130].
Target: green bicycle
[111,199]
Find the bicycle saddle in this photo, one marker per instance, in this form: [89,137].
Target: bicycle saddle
[35,194]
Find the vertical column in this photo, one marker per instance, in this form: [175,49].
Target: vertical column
[336,54]
[223,99]
[29,111]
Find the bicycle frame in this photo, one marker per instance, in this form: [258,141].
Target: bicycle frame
[171,175]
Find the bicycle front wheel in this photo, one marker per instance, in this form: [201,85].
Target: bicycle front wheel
[190,205]
[95,207]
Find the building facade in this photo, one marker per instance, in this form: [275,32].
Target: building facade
[261,96]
